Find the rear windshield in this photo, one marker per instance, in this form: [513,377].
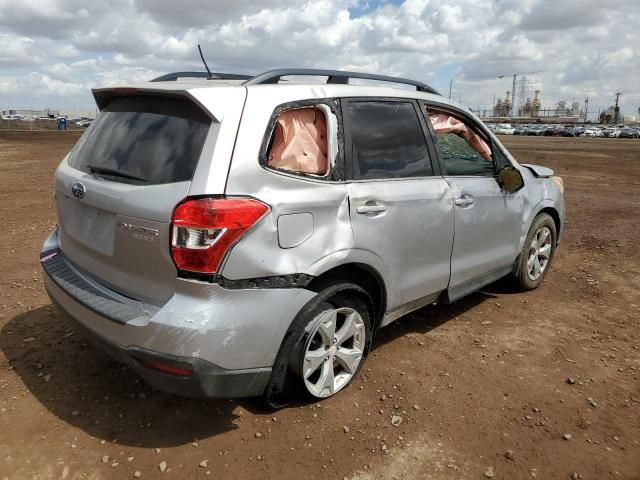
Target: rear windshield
[144,140]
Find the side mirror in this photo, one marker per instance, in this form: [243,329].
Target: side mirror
[510,179]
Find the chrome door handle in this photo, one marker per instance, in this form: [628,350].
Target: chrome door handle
[464,201]
[374,208]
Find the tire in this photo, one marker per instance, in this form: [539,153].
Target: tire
[531,268]
[339,304]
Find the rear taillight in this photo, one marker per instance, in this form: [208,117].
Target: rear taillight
[204,229]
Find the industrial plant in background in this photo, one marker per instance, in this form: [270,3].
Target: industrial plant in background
[525,111]
[515,109]
[529,109]
[532,109]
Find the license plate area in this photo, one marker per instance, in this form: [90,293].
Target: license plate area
[90,226]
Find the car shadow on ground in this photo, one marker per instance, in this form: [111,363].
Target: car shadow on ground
[86,388]
[431,317]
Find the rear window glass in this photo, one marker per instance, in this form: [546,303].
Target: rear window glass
[387,141]
[143,140]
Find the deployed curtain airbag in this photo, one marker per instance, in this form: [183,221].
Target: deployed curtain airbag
[443,123]
[300,142]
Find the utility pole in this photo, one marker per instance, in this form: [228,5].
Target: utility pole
[586,109]
[450,85]
[616,112]
[513,96]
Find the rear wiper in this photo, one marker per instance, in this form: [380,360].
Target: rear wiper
[114,173]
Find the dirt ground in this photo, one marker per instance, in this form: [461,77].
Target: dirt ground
[544,384]
[51,124]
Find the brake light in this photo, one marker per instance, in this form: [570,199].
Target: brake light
[204,229]
[125,91]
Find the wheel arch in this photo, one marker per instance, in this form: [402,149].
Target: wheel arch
[362,276]
[365,276]
[553,213]
[546,206]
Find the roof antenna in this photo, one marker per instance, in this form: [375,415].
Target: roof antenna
[210,77]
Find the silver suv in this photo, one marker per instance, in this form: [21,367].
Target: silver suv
[236,236]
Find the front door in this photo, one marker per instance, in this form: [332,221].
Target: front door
[488,221]
[400,211]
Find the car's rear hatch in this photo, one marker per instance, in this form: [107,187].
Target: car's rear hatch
[118,187]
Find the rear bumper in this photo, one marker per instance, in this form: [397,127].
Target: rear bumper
[206,380]
[227,339]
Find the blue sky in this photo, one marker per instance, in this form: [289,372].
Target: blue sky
[357,9]
[54,52]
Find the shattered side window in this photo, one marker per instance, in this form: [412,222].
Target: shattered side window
[299,142]
[463,150]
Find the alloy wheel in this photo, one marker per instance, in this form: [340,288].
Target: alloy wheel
[333,351]
[539,253]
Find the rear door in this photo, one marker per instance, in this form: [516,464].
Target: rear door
[117,189]
[488,221]
[400,207]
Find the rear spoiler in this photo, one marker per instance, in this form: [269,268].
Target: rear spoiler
[104,96]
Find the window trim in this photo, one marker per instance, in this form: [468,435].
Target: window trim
[335,139]
[462,115]
[348,144]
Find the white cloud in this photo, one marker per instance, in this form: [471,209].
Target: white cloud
[57,50]
[17,51]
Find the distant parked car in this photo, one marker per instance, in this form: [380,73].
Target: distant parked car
[599,131]
[520,130]
[629,133]
[536,130]
[504,129]
[550,131]
[568,131]
[612,132]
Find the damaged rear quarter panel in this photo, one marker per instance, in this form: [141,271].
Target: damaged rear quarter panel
[259,254]
[233,329]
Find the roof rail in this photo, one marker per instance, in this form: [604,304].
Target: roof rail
[334,77]
[217,76]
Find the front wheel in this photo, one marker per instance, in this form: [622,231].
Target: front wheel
[537,252]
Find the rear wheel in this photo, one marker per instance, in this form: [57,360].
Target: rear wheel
[537,252]
[333,351]
[335,340]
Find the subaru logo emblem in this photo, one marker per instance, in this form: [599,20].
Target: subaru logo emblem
[78,190]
